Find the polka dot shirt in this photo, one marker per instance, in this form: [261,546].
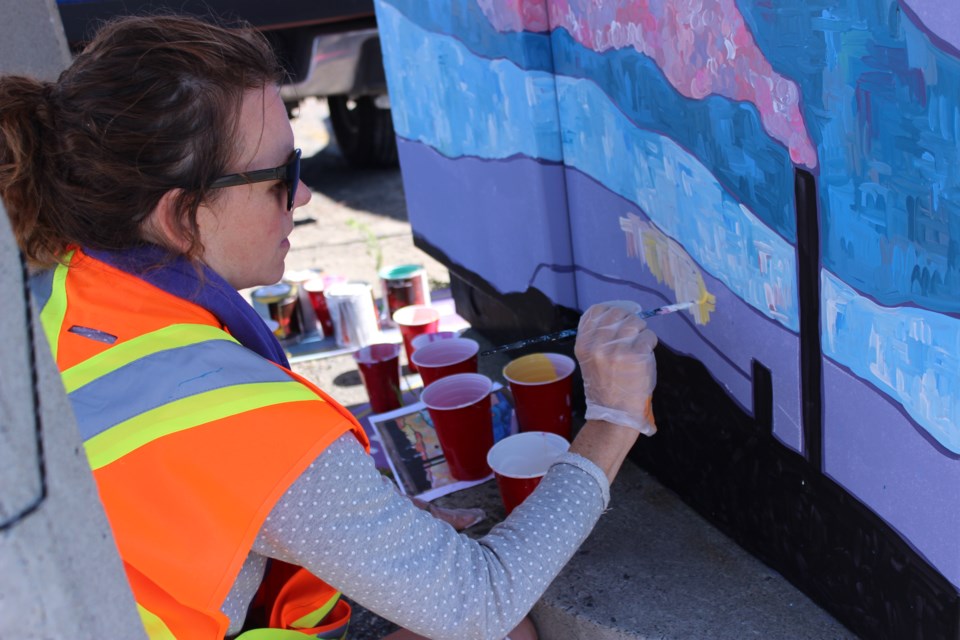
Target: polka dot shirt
[346,523]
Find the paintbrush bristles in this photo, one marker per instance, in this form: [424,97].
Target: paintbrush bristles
[670,308]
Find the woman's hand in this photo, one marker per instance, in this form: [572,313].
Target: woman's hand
[615,352]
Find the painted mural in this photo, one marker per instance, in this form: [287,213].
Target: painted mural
[650,149]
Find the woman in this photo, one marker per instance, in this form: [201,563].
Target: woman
[156,177]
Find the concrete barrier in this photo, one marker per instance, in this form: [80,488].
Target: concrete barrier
[60,575]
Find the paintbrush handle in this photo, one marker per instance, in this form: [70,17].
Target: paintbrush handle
[550,337]
[572,333]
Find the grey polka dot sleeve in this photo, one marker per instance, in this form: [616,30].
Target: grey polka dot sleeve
[348,525]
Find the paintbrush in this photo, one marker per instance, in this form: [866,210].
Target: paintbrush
[571,333]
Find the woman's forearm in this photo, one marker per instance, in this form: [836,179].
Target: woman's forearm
[604,444]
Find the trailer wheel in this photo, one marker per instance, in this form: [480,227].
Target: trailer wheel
[364,131]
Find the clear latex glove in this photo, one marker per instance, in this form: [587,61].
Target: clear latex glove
[615,352]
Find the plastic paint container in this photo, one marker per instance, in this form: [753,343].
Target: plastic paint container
[281,302]
[403,285]
[315,288]
[354,314]
[308,316]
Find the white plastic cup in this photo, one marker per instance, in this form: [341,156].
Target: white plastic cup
[520,461]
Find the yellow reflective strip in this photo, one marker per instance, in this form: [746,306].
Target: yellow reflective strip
[272,634]
[314,618]
[52,314]
[155,627]
[176,335]
[186,413]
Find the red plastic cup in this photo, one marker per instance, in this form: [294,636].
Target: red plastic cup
[415,320]
[379,366]
[459,407]
[542,388]
[520,461]
[446,357]
[426,338]
[314,288]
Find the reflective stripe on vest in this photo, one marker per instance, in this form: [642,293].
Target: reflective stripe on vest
[197,374]
[187,413]
[168,374]
[177,335]
[313,618]
[307,626]
[53,310]
[156,628]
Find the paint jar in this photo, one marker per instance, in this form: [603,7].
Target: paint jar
[353,313]
[403,285]
[315,288]
[308,316]
[280,301]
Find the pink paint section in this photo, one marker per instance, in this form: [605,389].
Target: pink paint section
[703,48]
[516,15]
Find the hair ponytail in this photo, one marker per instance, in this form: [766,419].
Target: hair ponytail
[148,107]
[25,132]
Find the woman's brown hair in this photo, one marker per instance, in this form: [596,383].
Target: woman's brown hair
[150,105]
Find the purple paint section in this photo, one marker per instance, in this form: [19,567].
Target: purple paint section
[497,218]
[874,452]
[938,17]
[735,335]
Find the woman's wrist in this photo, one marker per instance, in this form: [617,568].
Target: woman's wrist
[605,444]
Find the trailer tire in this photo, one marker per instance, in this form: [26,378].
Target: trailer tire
[364,131]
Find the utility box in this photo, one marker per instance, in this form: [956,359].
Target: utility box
[792,166]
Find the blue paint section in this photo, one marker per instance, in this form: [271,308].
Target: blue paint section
[173,374]
[464,20]
[682,198]
[462,105]
[894,224]
[726,136]
[881,100]
[500,219]
[883,103]
[911,355]
[447,109]
[749,163]
[886,463]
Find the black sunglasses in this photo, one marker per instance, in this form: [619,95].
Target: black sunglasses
[289,173]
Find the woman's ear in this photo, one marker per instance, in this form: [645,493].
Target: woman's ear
[164,227]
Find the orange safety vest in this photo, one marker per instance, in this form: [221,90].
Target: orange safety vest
[192,439]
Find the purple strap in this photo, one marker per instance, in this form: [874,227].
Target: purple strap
[177,276]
